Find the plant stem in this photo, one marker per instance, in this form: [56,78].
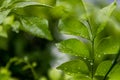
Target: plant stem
[92,40]
[113,65]
[53,27]
[32,70]
[10,62]
[92,48]
[92,58]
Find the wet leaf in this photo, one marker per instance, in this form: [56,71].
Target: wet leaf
[73,47]
[103,68]
[74,27]
[36,26]
[74,66]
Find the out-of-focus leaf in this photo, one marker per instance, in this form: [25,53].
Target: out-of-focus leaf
[106,11]
[74,27]
[73,47]
[28,3]
[36,26]
[107,41]
[103,68]
[48,2]
[3,32]
[5,3]
[99,18]
[5,74]
[16,26]
[74,66]
[3,15]
[8,20]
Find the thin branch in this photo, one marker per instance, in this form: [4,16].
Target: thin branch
[113,65]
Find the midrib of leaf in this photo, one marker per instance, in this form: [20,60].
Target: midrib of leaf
[88,20]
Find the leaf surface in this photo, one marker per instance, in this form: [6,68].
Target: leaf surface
[36,26]
[103,68]
[3,15]
[115,73]
[74,27]
[29,3]
[73,47]
[74,66]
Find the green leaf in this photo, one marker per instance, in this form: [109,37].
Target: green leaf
[29,3]
[74,66]
[73,47]
[15,26]
[107,45]
[107,41]
[74,27]
[96,18]
[3,33]
[115,73]
[36,26]
[5,3]
[4,74]
[1,1]
[106,12]
[3,15]
[103,68]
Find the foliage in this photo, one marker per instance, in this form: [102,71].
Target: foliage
[99,35]
[95,46]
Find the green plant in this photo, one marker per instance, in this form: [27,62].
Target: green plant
[13,16]
[95,47]
[97,32]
